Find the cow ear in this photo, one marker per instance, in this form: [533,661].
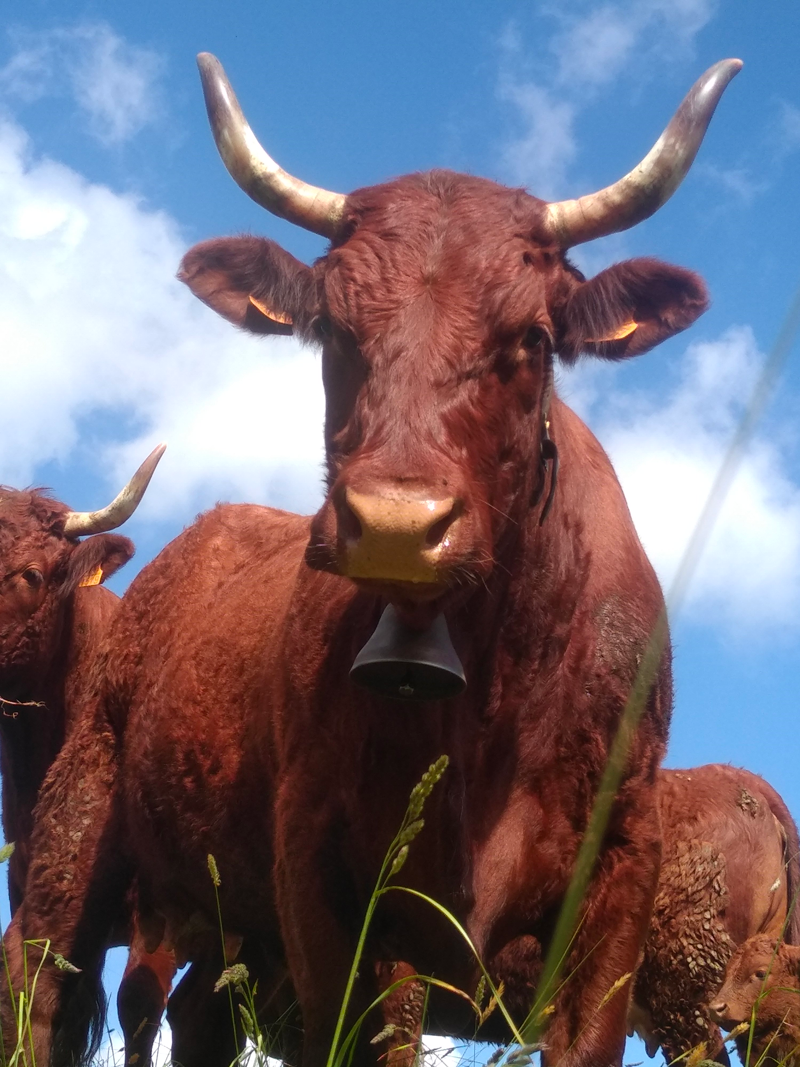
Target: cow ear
[95,559]
[792,953]
[250,281]
[629,308]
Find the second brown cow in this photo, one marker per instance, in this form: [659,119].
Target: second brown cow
[730,870]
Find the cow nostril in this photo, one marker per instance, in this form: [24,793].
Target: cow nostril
[349,525]
[719,1008]
[437,533]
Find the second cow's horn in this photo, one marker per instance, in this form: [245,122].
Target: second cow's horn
[78,523]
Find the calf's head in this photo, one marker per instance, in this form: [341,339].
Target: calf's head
[439,308]
[764,975]
[43,561]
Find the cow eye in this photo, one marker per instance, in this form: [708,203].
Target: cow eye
[33,577]
[323,327]
[761,973]
[536,336]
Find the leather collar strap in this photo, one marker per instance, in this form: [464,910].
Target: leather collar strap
[548,452]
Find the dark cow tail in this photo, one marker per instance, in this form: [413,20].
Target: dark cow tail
[792,860]
[79,1030]
[792,934]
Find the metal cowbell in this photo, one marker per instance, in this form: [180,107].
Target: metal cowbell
[406,664]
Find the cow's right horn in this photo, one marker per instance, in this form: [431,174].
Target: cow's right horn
[253,169]
[78,523]
[650,184]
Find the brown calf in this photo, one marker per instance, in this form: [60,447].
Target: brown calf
[762,991]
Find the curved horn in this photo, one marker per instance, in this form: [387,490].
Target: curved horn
[649,185]
[251,168]
[121,507]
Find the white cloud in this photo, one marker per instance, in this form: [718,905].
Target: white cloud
[92,321]
[736,180]
[786,129]
[667,451]
[591,47]
[113,83]
[596,43]
[539,155]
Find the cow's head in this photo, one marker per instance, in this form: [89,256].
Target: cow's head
[43,560]
[764,975]
[439,308]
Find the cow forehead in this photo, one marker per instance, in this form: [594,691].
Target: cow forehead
[413,200]
[439,247]
[28,517]
[752,957]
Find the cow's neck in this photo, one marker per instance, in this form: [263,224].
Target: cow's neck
[32,716]
[527,560]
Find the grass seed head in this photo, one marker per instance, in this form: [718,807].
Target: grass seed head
[213,870]
[411,831]
[399,860]
[248,1025]
[423,789]
[615,988]
[64,964]
[235,975]
[387,1031]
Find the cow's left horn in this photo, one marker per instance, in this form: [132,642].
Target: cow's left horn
[121,507]
[256,172]
[649,185]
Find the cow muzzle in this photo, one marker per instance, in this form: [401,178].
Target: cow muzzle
[720,1013]
[397,536]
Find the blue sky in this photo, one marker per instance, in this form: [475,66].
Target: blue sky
[108,173]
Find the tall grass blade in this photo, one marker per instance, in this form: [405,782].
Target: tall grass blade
[648,668]
[393,860]
[496,993]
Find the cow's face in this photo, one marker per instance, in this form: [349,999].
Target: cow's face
[39,570]
[764,976]
[439,310]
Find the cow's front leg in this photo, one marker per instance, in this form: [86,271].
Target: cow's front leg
[589,1021]
[142,996]
[203,1031]
[75,893]
[320,918]
[401,1010]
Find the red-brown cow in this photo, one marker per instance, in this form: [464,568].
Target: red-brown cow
[53,613]
[730,870]
[439,309]
[762,991]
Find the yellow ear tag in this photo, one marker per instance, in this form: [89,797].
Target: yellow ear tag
[624,331]
[95,578]
[276,316]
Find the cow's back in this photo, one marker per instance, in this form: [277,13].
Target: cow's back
[727,809]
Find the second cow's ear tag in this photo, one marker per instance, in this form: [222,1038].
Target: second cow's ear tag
[95,578]
[260,318]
